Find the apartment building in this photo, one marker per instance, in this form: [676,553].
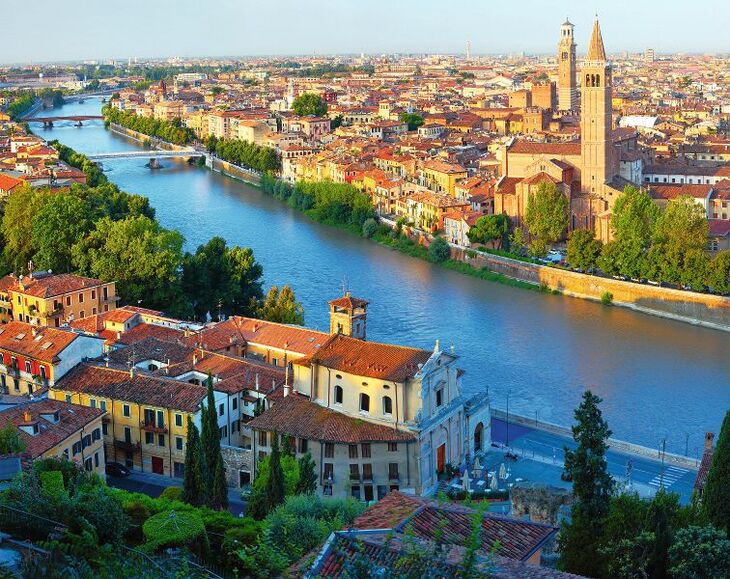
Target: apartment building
[47,299]
[51,429]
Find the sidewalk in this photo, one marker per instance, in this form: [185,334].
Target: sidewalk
[153,484]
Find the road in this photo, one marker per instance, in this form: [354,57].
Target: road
[542,456]
[153,484]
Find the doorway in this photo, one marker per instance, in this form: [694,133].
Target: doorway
[441,458]
[158,465]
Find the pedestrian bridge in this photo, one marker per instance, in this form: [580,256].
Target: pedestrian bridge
[158,154]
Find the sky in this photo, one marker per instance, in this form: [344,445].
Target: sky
[97,29]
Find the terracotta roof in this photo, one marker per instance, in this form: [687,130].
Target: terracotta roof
[72,419]
[8,182]
[143,331]
[52,284]
[151,348]
[240,330]
[297,416]
[672,191]
[139,388]
[370,359]
[719,227]
[530,148]
[348,302]
[46,344]
[596,51]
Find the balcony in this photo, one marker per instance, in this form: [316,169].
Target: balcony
[394,477]
[354,477]
[152,427]
[127,445]
[54,313]
[109,299]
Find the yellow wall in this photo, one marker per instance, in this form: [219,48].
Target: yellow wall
[55,310]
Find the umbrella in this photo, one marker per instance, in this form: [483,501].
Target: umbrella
[502,472]
[494,485]
[467,482]
[477,466]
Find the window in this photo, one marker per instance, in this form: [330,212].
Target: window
[82,314]
[328,471]
[179,442]
[149,438]
[224,431]
[102,405]
[127,434]
[160,440]
[68,300]
[354,472]
[355,492]
[369,492]
[96,434]
[262,438]
[221,409]
[125,410]
[365,450]
[104,428]
[43,372]
[178,420]
[92,403]
[234,404]
[86,441]
[93,294]
[353,451]
[338,394]
[76,448]
[303,446]
[68,397]
[439,397]
[367,471]
[96,459]
[364,403]
[88,465]
[329,450]
[28,368]
[387,405]
[161,418]
[393,471]
[81,298]
[392,447]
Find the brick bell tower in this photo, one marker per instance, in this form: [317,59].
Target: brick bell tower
[595,122]
[567,94]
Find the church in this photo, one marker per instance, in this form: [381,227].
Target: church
[588,171]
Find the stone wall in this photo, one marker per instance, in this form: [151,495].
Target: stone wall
[234,171]
[540,503]
[236,459]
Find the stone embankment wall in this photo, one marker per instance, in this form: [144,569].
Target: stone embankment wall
[702,309]
[141,138]
[234,171]
[617,445]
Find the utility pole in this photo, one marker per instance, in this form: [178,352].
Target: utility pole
[507,435]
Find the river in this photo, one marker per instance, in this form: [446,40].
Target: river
[658,378]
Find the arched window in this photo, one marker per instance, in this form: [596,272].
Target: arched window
[364,403]
[588,80]
[387,405]
[598,80]
[338,394]
[478,437]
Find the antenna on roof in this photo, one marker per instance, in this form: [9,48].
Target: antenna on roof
[344,285]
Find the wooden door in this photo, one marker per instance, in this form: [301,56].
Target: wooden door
[158,466]
[441,458]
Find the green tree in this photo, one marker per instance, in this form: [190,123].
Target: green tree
[491,228]
[546,215]
[716,494]
[439,250]
[214,485]
[583,249]
[517,243]
[193,479]
[307,483]
[282,307]
[10,440]
[718,277]
[412,119]
[20,209]
[141,256]
[592,486]
[308,104]
[699,553]
[275,482]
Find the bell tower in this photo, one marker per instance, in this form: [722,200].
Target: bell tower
[595,122]
[348,316]
[567,95]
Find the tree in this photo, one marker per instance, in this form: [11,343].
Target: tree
[307,483]
[369,228]
[491,228]
[281,307]
[141,256]
[716,494]
[592,487]
[546,215]
[193,479]
[583,249]
[19,210]
[718,277]
[439,250]
[216,492]
[517,244]
[699,553]
[412,119]
[275,482]
[309,104]
[10,440]
[632,223]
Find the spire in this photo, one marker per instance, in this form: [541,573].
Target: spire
[596,51]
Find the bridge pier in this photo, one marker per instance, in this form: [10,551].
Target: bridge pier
[47,124]
[154,163]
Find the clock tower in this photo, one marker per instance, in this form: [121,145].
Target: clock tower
[567,96]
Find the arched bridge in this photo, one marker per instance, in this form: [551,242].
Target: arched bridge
[184,154]
[48,121]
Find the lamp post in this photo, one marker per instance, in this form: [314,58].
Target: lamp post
[507,433]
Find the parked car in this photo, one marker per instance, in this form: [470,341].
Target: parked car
[116,469]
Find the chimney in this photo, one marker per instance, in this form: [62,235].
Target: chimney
[436,348]
[131,371]
[257,381]
[26,416]
[195,358]
[709,438]
[286,390]
[34,331]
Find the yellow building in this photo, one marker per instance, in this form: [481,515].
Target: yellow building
[146,422]
[442,176]
[53,429]
[46,299]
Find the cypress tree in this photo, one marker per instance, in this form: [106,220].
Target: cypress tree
[716,494]
[307,483]
[212,464]
[275,484]
[193,480]
[592,487]
[219,491]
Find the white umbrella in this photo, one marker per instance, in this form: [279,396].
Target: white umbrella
[467,482]
[494,485]
[502,471]
[477,466]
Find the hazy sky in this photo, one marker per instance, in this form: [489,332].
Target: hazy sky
[96,29]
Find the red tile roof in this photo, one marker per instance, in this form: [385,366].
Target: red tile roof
[72,419]
[40,343]
[348,302]
[297,416]
[52,284]
[530,148]
[371,359]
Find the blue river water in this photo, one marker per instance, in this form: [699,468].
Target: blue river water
[659,379]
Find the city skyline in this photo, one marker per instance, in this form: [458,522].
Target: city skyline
[330,28]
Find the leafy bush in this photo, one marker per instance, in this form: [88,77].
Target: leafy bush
[261,561]
[174,528]
[606,298]
[52,483]
[172,494]
[171,131]
[439,250]
[369,227]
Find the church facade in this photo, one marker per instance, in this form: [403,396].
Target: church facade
[587,171]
